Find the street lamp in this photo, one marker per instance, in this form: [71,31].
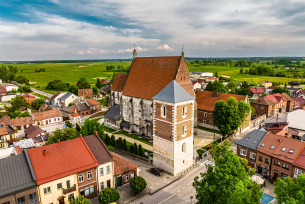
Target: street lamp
[191,199]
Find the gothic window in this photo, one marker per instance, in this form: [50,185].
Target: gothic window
[183,147]
[184,111]
[163,111]
[184,130]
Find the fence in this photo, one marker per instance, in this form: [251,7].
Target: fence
[131,155]
[185,171]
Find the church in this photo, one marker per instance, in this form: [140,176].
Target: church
[131,94]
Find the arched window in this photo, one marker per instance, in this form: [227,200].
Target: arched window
[183,147]
[184,111]
[184,130]
[163,111]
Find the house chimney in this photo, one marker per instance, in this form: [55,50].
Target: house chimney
[95,133]
[80,135]
[44,152]
[58,141]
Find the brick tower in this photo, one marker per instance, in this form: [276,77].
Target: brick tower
[173,128]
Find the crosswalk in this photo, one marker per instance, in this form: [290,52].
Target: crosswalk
[207,162]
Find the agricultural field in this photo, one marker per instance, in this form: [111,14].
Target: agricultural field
[71,72]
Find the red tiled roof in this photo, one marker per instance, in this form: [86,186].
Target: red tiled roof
[118,82]
[47,114]
[28,96]
[82,91]
[3,89]
[33,131]
[289,144]
[287,97]
[75,114]
[149,75]
[206,99]
[264,101]
[92,102]
[3,130]
[299,101]
[6,119]
[61,160]
[257,90]
[18,150]
[279,96]
[200,81]
[300,160]
[55,95]
[269,141]
[122,165]
[21,121]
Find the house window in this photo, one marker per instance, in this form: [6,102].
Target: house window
[283,175]
[252,155]
[184,147]
[71,196]
[183,130]
[102,185]
[50,120]
[204,122]
[126,177]
[47,190]
[285,166]
[21,200]
[81,178]
[59,186]
[297,171]
[54,119]
[68,184]
[277,163]
[108,169]
[33,199]
[89,175]
[266,160]
[101,171]
[205,115]
[263,107]
[211,123]
[243,152]
[256,106]
[132,174]
[163,111]
[260,158]
[184,111]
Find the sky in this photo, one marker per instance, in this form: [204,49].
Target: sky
[110,29]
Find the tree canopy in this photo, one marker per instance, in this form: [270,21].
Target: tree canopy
[79,200]
[57,85]
[138,184]
[8,73]
[244,89]
[216,86]
[38,102]
[230,115]
[108,195]
[62,135]
[228,182]
[289,191]
[83,84]
[90,126]
[281,90]
[73,89]
[17,102]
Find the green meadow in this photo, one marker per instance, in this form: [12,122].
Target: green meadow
[71,72]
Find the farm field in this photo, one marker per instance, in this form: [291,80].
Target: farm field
[71,72]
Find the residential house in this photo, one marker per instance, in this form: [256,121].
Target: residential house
[299,102]
[10,87]
[201,74]
[94,105]
[294,83]
[257,92]
[105,170]
[29,98]
[7,135]
[298,93]
[284,156]
[67,111]
[124,170]
[7,152]
[3,90]
[84,109]
[247,146]
[210,79]
[47,117]
[206,101]
[55,98]
[45,107]
[299,164]
[290,102]
[277,128]
[105,89]
[111,117]
[25,144]
[21,123]
[7,97]
[68,170]
[85,93]
[105,81]
[37,133]
[66,99]
[17,181]
[196,85]
[266,84]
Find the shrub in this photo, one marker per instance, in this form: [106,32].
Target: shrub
[107,139]
[138,184]
[79,200]
[140,151]
[111,148]
[135,148]
[112,141]
[124,145]
[68,124]
[131,149]
[108,195]
[77,127]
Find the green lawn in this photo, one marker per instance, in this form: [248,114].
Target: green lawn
[107,129]
[144,140]
[209,130]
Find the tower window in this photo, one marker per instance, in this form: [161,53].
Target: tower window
[184,111]
[184,147]
[163,111]
[184,130]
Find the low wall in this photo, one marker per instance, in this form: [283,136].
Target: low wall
[131,155]
[258,121]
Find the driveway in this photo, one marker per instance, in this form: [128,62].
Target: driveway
[50,128]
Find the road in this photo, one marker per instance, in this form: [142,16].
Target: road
[36,90]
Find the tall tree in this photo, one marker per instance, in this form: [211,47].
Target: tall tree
[244,89]
[289,191]
[228,181]
[138,184]
[38,102]
[216,86]
[216,74]
[108,195]
[19,101]
[281,90]
[90,126]
[98,83]
[73,89]
[62,135]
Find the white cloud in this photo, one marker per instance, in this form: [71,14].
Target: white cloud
[165,47]
[80,52]
[130,50]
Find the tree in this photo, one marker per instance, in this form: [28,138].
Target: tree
[135,148]
[137,184]
[281,90]
[241,71]
[108,195]
[17,102]
[77,127]
[228,181]
[112,141]
[119,143]
[124,145]
[216,74]
[140,151]
[83,84]
[79,200]
[24,89]
[232,86]
[216,86]
[68,124]
[62,135]
[228,116]
[57,85]
[95,90]
[38,102]
[289,191]
[244,89]
[107,139]
[90,126]
[131,149]
[98,83]
[73,89]
[21,79]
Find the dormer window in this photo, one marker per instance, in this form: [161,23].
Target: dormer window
[184,111]
[163,111]
[291,151]
[283,149]
[263,144]
[183,130]
[272,147]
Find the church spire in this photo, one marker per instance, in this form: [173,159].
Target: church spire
[134,52]
[182,54]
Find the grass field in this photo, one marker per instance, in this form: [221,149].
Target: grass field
[71,72]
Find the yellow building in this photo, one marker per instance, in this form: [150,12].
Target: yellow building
[7,135]
[266,84]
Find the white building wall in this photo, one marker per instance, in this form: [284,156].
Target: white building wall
[163,154]
[183,160]
[106,176]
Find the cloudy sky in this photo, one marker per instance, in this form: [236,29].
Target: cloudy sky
[103,29]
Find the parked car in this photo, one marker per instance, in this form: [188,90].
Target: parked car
[155,171]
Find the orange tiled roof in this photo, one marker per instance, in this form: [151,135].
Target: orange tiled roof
[82,91]
[118,82]
[63,159]
[149,75]
[21,121]
[269,141]
[263,101]
[28,96]
[47,114]
[122,165]
[206,99]
[288,97]
[75,114]
[3,89]
[3,130]
[92,102]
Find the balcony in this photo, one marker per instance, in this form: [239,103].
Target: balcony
[69,190]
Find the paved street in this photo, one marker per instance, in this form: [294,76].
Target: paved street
[41,92]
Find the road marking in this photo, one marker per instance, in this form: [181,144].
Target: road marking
[178,191]
[190,183]
[167,198]
[204,162]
